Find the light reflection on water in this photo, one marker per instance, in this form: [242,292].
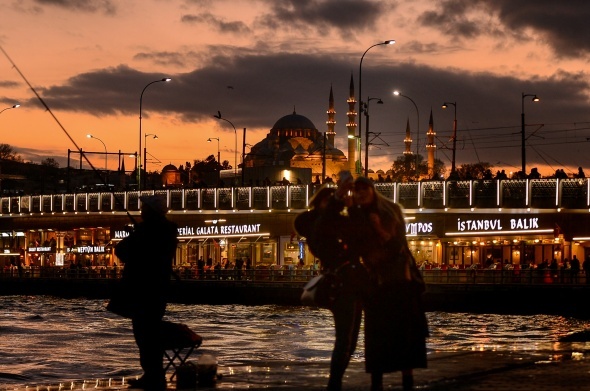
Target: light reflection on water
[49,339]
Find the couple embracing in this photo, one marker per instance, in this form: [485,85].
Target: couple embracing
[359,235]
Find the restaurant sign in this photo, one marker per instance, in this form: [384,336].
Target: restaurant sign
[417,229]
[209,230]
[502,224]
[42,249]
[228,229]
[86,249]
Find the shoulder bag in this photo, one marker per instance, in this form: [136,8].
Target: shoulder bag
[321,291]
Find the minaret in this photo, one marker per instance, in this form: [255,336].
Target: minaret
[408,139]
[331,122]
[430,146]
[351,125]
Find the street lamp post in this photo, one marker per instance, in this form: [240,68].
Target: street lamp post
[105,154]
[218,154]
[139,150]
[522,136]
[218,116]
[444,106]
[243,155]
[388,42]
[11,107]
[397,93]
[145,149]
[367,133]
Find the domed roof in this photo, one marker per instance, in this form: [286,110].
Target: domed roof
[294,121]
[169,167]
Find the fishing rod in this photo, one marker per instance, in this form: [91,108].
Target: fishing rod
[117,200]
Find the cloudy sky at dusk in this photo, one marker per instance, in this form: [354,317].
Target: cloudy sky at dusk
[257,60]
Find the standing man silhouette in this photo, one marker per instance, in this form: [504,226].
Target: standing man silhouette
[147,253]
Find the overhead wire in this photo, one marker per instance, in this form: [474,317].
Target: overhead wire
[44,104]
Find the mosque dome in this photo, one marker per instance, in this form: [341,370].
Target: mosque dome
[169,168]
[294,141]
[294,121]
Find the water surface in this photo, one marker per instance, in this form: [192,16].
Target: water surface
[45,339]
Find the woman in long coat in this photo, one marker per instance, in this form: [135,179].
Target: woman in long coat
[395,322]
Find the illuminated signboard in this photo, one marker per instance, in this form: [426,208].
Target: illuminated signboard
[500,225]
[43,249]
[229,229]
[421,228]
[87,249]
[214,230]
[121,234]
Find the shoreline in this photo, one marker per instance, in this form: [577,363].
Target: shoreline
[456,370]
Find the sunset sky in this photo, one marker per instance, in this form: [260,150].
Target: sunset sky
[258,60]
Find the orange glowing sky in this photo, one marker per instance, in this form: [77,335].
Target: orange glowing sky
[256,60]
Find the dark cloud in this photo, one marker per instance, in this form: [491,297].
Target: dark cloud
[321,15]
[163,58]
[101,92]
[105,6]
[564,24]
[452,19]
[416,47]
[236,27]
[561,24]
[266,88]
[9,84]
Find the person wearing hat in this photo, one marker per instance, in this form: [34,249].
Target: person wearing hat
[147,253]
[327,232]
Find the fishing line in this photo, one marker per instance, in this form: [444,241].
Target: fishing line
[117,200]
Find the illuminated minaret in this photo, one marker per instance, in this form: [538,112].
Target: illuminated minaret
[351,125]
[331,122]
[408,139]
[430,146]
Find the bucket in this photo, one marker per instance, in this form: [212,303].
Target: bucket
[206,370]
[186,376]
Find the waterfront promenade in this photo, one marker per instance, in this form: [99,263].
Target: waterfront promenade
[487,291]
[458,371]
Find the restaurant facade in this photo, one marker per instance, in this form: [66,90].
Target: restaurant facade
[438,238]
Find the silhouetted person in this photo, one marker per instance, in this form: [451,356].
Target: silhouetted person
[501,175]
[519,175]
[575,267]
[19,267]
[580,173]
[560,174]
[248,264]
[147,253]
[329,237]
[239,266]
[453,176]
[201,267]
[534,174]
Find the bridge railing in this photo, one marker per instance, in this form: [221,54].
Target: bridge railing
[523,193]
[289,273]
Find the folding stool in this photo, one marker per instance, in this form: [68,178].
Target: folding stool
[179,343]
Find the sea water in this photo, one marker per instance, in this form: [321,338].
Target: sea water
[46,340]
